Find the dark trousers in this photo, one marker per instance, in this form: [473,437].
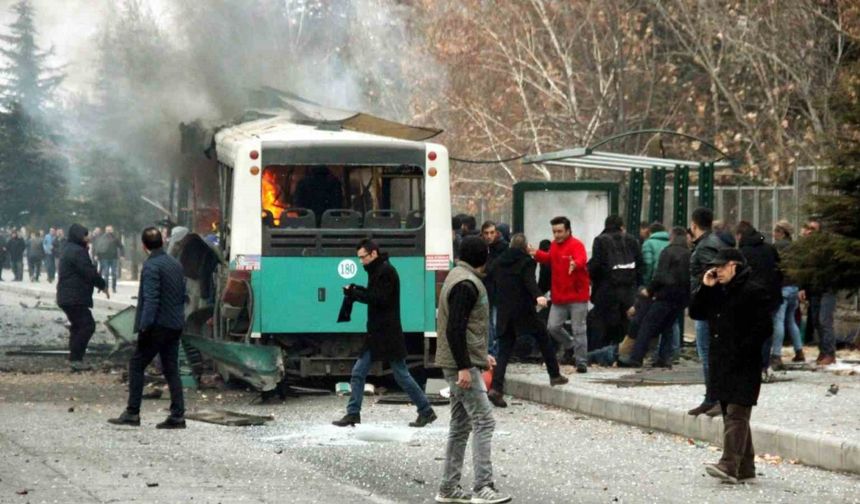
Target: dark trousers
[83,327]
[164,343]
[18,269]
[610,316]
[659,319]
[738,453]
[507,340]
[35,266]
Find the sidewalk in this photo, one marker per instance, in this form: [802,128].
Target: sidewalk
[798,419]
[126,294]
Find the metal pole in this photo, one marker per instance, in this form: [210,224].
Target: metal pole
[682,184]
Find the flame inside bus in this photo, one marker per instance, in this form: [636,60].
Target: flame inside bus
[271,196]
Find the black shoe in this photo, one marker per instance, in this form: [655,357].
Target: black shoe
[497,398]
[581,368]
[171,423]
[567,358]
[423,420]
[348,420]
[558,380]
[126,418]
[701,409]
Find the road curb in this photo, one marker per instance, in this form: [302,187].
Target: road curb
[97,302]
[807,448]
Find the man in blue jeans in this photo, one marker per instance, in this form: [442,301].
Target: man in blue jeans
[384,340]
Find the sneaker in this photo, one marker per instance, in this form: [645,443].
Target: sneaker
[718,472]
[776,363]
[581,368]
[78,366]
[489,495]
[171,423]
[701,409]
[558,380]
[348,420]
[455,495]
[423,420]
[497,398]
[798,356]
[659,363]
[126,418]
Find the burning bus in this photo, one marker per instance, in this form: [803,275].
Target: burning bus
[299,187]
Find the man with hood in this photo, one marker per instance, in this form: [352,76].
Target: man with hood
[658,239]
[77,279]
[384,340]
[735,307]
[462,322]
[513,274]
[615,269]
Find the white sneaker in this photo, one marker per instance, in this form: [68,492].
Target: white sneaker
[456,495]
[489,495]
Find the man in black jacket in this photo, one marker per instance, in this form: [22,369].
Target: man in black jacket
[15,248]
[158,322]
[496,246]
[763,260]
[77,279]
[670,292]
[513,274]
[706,245]
[384,340]
[735,308]
[616,269]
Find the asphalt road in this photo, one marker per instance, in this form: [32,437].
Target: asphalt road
[55,446]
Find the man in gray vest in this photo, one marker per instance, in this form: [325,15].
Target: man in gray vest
[461,351]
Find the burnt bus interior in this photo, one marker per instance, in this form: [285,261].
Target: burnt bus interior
[324,210]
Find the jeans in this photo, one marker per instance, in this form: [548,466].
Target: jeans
[82,328]
[826,306]
[660,319]
[783,317]
[606,356]
[493,342]
[506,349]
[109,270]
[703,345]
[558,314]
[471,413]
[164,343]
[401,376]
[50,267]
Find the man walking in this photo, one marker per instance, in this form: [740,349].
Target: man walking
[569,291]
[706,245]
[384,340]
[496,246]
[109,250]
[615,269]
[735,307]
[35,255]
[15,249]
[77,279]
[822,306]
[158,322]
[50,262]
[463,323]
[513,274]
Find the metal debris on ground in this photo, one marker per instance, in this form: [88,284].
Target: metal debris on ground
[833,390]
[229,418]
[435,399]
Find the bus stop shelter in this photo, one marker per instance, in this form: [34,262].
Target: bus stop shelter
[635,167]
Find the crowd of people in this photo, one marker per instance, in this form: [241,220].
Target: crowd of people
[41,251]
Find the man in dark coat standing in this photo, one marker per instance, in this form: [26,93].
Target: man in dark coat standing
[15,248]
[736,310]
[616,269]
[77,279]
[513,274]
[384,340]
[158,322]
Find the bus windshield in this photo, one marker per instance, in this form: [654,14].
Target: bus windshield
[346,197]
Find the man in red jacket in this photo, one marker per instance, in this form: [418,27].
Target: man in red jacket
[570,290]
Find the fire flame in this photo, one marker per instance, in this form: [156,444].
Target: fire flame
[270,192]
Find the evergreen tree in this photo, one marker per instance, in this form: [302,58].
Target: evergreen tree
[831,259]
[29,82]
[32,179]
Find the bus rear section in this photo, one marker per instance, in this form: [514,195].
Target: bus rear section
[316,204]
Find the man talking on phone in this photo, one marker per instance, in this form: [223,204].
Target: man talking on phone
[736,310]
[461,351]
